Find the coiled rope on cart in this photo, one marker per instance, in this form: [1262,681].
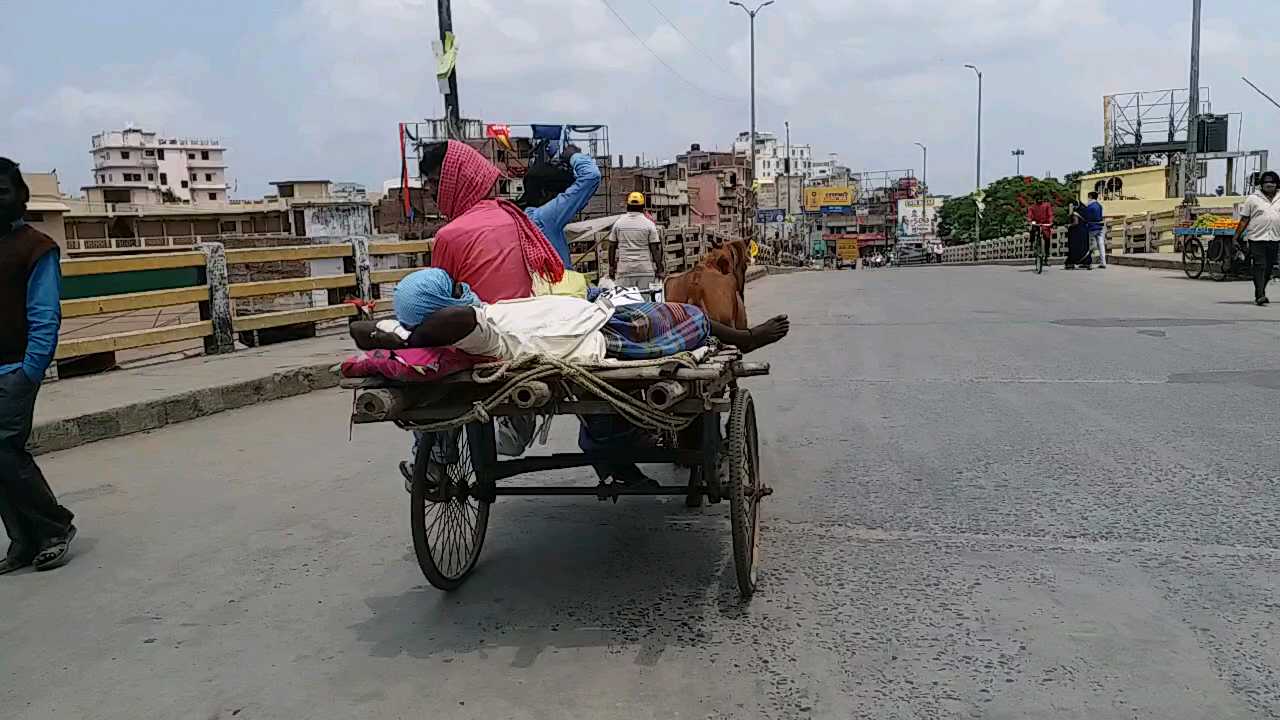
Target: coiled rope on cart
[540,367]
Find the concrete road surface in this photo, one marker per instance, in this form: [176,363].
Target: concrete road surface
[998,496]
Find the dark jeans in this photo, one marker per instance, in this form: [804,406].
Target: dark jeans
[31,513]
[1264,258]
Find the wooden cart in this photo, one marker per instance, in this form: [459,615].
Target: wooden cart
[690,402]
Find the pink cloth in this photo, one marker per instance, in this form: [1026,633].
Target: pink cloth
[486,237]
[409,365]
[479,248]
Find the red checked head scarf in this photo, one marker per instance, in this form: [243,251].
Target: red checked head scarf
[466,178]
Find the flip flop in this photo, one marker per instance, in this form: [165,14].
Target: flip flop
[56,554]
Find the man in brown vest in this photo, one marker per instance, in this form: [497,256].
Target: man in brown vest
[39,529]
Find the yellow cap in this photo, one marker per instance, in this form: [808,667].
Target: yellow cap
[635,198]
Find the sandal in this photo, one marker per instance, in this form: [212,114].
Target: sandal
[57,553]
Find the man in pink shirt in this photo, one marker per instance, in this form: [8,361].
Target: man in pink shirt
[489,244]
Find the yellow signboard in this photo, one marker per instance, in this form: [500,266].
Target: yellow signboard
[847,248]
[817,198]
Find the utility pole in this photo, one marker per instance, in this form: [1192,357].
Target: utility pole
[924,175]
[453,112]
[752,15]
[977,216]
[1189,168]
[1017,154]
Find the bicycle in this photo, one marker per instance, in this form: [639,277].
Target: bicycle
[1040,247]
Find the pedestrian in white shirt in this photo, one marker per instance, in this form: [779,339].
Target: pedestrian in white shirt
[635,250]
[1260,225]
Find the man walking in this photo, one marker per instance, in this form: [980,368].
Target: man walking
[635,251]
[39,529]
[1097,229]
[1260,223]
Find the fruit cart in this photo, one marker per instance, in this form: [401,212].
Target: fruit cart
[1208,245]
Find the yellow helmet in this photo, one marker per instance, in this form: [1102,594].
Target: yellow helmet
[635,198]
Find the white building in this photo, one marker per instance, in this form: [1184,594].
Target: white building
[139,167]
[771,156]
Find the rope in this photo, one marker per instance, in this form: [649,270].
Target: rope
[635,411]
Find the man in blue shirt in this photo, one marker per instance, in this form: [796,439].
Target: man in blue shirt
[39,529]
[1093,218]
[551,208]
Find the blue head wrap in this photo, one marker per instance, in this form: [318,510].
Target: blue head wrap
[423,292]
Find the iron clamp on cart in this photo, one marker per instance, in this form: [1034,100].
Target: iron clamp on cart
[691,402]
[1213,250]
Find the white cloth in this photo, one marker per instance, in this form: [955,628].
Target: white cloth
[1263,215]
[632,235]
[563,327]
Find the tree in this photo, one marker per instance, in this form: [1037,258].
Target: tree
[1005,208]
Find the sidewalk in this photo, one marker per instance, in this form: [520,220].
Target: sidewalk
[82,410]
[96,407]
[1152,261]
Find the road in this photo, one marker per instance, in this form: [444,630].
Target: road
[997,496]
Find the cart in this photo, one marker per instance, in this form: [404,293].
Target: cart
[691,403]
[1212,250]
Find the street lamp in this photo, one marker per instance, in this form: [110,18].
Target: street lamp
[1017,154]
[924,174]
[977,216]
[752,14]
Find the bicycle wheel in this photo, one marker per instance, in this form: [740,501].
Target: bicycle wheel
[1193,257]
[448,521]
[1039,261]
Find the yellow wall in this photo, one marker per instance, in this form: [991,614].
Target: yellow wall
[1139,184]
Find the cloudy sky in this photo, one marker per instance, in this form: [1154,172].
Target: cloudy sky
[307,88]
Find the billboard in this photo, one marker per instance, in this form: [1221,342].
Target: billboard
[815,199]
[918,217]
[770,216]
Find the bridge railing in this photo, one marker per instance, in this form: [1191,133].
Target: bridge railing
[1010,247]
[202,277]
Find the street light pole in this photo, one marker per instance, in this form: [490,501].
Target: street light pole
[1017,154]
[924,179]
[786,165]
[977,216]
[1193,111]
[752,15]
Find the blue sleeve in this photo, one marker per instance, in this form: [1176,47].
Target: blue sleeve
[560,211]
[44,315]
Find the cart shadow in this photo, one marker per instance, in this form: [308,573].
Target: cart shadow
[637,577]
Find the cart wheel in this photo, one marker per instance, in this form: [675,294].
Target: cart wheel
[1218,258]
[740,468]
[1193,259]
[447,519]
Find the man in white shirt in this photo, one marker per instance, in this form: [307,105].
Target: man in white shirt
[1260,224]
[635,250]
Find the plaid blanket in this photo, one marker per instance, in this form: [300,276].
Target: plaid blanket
[643,331]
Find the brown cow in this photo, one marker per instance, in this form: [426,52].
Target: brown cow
[717,285]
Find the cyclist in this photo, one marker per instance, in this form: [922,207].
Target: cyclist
[1040,218]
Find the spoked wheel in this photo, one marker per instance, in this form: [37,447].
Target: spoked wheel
[1039,262]
[1193,259]
[740,468]
[448,520]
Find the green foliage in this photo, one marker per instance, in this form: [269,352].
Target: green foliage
[1005,212]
